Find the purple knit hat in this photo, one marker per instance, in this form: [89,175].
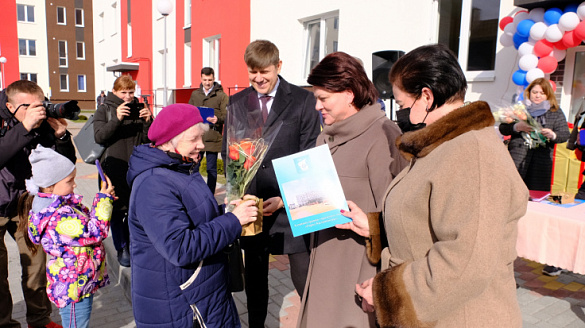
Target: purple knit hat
[171,121]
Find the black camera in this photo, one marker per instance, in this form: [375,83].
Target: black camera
[68,110]
[135,108]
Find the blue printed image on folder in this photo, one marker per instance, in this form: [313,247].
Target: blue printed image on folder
[205,113]
[311,191]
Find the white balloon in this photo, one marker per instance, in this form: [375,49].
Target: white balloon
[536,14]
[537,30]
[528,62]
[534,74]
[553,33]
[558,54]
[569,21]
[510,29]
[581,11]
[520,17]
[506,40]
[525,48]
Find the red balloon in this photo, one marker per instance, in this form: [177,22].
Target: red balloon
[547,64]
[570,40]
[580,30]
[542,48]
[505,21]
[560,45]
[553,85]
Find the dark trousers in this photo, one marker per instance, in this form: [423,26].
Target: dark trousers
[33,280]
[256,275]
[120,231]
[211,170]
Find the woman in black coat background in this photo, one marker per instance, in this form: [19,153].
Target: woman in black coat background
[535,165]
[120,125]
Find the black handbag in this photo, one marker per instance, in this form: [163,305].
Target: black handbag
[236,266]
[235,262]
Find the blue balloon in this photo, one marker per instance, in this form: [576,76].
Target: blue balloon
[552,16]
[523,28]
[572,8]
[519,77]
[519,39]
[521,95]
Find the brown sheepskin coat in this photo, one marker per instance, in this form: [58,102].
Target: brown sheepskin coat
[451,222]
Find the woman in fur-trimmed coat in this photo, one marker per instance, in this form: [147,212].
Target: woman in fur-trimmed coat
[451,217]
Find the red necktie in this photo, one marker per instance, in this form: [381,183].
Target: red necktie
[264,100]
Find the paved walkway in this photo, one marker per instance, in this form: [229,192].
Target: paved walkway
[545,301]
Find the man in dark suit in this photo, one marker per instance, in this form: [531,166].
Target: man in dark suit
[273,100]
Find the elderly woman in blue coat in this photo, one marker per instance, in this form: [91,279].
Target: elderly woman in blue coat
[179,272]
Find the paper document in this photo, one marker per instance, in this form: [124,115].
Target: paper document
[310,189]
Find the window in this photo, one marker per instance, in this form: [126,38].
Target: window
[81,87]
[61,19]
[29,76]
[64,82]
[470,28]
[78,17]
[25,13]
[211,53]
[322,35]
[80,50]
[27,47]
[62,53]
[187,13]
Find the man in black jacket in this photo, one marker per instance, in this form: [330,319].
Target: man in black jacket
[24,125]
[275,101]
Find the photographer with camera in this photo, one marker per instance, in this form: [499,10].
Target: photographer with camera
[120,124]
[26,122]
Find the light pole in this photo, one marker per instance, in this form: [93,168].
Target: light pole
[2,62]
[165,7]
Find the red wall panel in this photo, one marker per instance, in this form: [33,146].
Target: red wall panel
[9,43]
[230,19]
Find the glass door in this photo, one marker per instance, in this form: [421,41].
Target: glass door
[574,83]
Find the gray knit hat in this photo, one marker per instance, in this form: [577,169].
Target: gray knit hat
[48,167]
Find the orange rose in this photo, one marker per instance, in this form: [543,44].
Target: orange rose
[248,147]
[249,162]
[234,152]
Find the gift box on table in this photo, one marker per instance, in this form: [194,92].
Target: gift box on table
[567,174]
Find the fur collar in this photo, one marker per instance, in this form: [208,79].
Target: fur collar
[474,116]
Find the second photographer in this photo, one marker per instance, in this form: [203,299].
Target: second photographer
[120,124]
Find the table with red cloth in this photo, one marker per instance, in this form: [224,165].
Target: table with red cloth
[553,235]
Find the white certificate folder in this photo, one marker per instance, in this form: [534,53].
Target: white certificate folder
[310,189]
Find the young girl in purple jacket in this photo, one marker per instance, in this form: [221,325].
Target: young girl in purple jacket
[69,232]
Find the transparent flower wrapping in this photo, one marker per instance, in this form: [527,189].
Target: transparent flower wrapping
[516,113]
[247,144]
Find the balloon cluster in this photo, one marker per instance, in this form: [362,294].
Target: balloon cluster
[541,38]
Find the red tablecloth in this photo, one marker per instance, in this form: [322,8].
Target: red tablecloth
[553,235]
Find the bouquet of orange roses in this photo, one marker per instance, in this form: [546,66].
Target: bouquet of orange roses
[516,113]
[247,145]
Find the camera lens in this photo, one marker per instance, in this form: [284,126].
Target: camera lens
[68,110]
